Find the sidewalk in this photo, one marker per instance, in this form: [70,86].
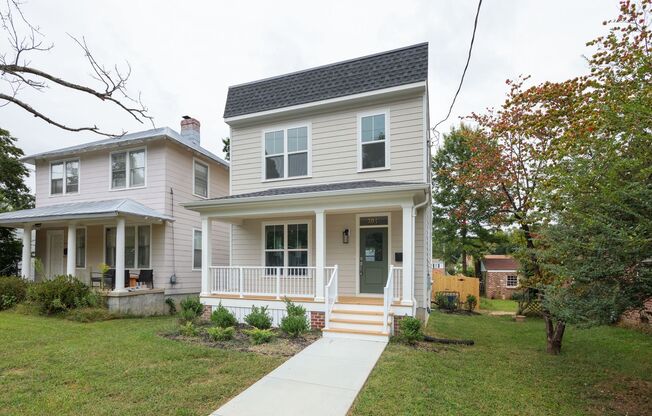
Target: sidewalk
[323,379]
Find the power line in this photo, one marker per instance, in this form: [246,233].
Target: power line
[468,59]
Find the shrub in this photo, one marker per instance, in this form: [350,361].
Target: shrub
[259,318]
[447,301]
[221,334]
[60,294]
[188,329]
[471,302]
[13,290]
[295,323]
[191,309]
[260,336]
[171,305]
[410,328]
[294,310]
[223,318]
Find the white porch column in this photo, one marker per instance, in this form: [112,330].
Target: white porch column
[408,258]
[320,253]
[72,249]
[120,255]
[26,271]
[206,253]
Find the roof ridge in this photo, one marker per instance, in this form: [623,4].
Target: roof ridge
[346,61]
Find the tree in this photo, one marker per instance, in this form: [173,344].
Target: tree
[226,148]
[14,194]
[17,73]
[460,212]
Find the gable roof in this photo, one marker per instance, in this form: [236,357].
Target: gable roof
[126,140]
[393,68]
[82,210]
[500,262]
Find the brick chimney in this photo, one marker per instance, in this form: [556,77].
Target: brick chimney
[190,129]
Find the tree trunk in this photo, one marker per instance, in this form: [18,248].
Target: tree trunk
[554,333]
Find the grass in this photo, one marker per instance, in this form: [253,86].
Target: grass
[54,366]
[505,305]
[604,370]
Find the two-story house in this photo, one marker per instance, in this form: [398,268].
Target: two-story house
[329,200]
[116,202]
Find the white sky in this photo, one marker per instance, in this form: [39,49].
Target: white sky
[184,55]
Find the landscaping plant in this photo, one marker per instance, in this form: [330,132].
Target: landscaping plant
[13,290]
[296,322]
[259,336]
[410,330]
[191,309]
[471,303]
[259,318]
[223,318]
[172,307]
[188,329]
[221,334]
[60,294]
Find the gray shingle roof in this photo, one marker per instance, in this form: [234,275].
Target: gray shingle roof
[383,70]
[82,210]
[127,139]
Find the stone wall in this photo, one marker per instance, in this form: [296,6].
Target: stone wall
[496,285]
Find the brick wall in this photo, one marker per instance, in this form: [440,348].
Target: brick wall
[496,285]
[317,320]
[639,317]
[396,321]
[206,315]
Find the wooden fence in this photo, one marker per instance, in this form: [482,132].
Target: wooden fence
[462,284]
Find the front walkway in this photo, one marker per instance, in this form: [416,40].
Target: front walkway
[323,379]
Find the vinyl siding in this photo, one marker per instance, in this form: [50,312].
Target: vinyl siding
[334,141]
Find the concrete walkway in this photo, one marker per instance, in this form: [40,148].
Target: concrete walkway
[323,379]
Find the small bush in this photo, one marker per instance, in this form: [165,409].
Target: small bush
[410,328]
[13,290]
[191,309]
[171,305]
[259,318]
[221,334]
[448,302]
[188,329]
[259,336]
[471,303]
[60,294]
[295,325]
[223,318]
[90,315]
[293,309]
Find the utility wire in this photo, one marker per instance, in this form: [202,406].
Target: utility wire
[468,59]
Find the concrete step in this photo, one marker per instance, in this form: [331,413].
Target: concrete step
[368,335]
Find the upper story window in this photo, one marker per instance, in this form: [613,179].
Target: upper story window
[64,177]
[373,140]
[128,169]
[286,153]
[200,179]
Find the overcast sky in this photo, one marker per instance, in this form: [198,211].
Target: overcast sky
[184,55]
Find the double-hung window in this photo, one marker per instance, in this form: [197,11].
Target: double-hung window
[196,249]
[128,169]
[80,248]
[286,153]
[64,177]
[200,176]
[137,246]
[373,141]
[286,245]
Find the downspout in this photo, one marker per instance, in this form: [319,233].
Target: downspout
[173,277]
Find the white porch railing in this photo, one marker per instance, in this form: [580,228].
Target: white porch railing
[330,296]
[388,297]
[263,281]
[397,273]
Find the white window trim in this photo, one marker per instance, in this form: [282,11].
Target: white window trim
[85,248]
[376,112]
[128,169]
[65,191]
[192,255]
[507,285]
[208,178]
[285,239]
[285,128]
[136,246]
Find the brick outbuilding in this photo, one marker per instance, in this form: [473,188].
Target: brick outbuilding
[500,274]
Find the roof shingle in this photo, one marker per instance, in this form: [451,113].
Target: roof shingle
[383,70]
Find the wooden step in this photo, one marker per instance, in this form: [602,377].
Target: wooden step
[354,312]
[355,331]
[356,321]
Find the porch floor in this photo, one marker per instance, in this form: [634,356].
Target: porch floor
[321,380]
[350,300]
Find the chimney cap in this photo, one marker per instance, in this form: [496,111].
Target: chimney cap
[186,117]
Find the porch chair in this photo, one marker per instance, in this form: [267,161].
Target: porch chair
[146,276]
[96,277]
[109,278]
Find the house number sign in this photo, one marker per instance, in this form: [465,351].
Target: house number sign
[373,221]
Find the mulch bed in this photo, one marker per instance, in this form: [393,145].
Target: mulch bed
[281,345]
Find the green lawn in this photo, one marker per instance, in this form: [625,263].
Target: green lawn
[121,367]
[506,305]
[604,370]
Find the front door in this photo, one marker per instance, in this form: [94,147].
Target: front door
[373,259]
[54,265]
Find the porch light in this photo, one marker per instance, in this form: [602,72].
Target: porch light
[345,236]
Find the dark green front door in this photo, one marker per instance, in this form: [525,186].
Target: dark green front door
[373,259]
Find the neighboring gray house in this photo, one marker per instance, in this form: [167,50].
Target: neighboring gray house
[118,201]
[329,199]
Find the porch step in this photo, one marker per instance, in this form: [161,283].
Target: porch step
[354,312]
[361,334]
[356,308]
[358,321]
